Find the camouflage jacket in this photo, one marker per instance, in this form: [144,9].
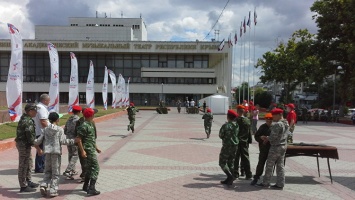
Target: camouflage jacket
[229,134]
[278,135]
[87,132]
[70,125]
[25,131]
[208,118]
[244,129]
[131,111]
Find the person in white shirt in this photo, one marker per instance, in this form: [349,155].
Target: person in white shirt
[192,103]
[255,119]
[41,121]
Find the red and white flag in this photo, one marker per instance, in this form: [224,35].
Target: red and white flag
[122,84]
[235,38]
[90,90]
[14,82]
[221,46]
[104,89]
[114,90]
[248,23]
[241,29]
[73,84]
[230,44]
[127,92]
[54,84]
[244,26]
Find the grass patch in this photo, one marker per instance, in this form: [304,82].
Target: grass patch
[8,130]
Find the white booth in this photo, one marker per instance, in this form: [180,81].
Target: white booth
[218,104]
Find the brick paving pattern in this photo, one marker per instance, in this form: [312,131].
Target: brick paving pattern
[168,157]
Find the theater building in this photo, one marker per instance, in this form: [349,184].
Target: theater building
[157,69]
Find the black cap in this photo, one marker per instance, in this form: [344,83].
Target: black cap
[53,116]
[30,106]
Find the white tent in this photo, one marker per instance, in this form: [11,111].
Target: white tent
[218,104]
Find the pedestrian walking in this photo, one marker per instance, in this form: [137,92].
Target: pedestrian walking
[178,103]
[304,114]
[131,111]
[255,118]
[25,139]
[86,139]
[52,138]
[229,135]
[276,156]
[208,118]
[292,120]
[264,146]
[41,121]
[204,105]
[69,131]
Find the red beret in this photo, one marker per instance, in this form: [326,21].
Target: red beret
[88,112]
[240,107]
[277,111]
[131,104]
[76,108]
[208,110]
[291,106]
[232,113]
[244,101]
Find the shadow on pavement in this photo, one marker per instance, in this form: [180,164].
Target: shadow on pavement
[348,182]
[301,180]
[121,136]
[8,172]
[197,138]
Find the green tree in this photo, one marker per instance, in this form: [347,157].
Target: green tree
[290,63]
[242,88]
[263,99]
[336,41]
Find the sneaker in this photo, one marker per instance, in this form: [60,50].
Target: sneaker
[54,194]
[275,187]
[73,172]
[32,184]
[128,128]
[254,182]
[27,189]
[43,191]
[262,185]
[248,177]
[68,175]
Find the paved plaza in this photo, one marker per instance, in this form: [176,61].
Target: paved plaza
[168,157]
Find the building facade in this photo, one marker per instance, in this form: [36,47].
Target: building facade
[157,70]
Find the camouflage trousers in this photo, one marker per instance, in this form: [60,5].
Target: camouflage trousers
[242,154]
[226,158]
[92,170]
[276,156]
[83,164]
[72,157]
[132,120]
[290,137]
[51,172]
[25,164]
[208,127]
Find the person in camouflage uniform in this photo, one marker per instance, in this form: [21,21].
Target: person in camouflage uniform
[87,143]
[52,138]
[69,131]
[131,111]
[243,146]
[25,138]
[208,118]
[229,135]
[264,146]
[276,156]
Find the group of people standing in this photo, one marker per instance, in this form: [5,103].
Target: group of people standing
[236,135]
[40,129]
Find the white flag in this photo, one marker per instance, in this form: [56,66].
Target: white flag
[54,84]
[73,85]
[127,92]
[104,89]
[119,91]
[122,84]
[15,77]
[90,92]
[113,81]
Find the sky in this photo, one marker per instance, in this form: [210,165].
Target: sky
[177,20]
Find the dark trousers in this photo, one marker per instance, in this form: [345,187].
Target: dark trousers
[83,165]
[261,163]
[39,161]
[242,154]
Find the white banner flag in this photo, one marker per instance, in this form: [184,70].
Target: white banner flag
[119,91]
[104,89]
[90,92]
[15,77]
[73,85]
[113,81]
[127,92]
[122,86]
[54,84]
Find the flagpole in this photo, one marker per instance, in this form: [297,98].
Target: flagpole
[249,65]
[240,69]
[254,62]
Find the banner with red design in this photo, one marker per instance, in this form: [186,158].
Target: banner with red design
[90,90]
[15,77]
[114,91]
[73,84]
[54,84]
[104,89]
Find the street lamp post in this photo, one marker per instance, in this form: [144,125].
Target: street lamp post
[334,79]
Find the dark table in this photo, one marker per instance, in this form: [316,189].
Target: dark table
[313,150]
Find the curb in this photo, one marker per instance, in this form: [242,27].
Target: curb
[10,143]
